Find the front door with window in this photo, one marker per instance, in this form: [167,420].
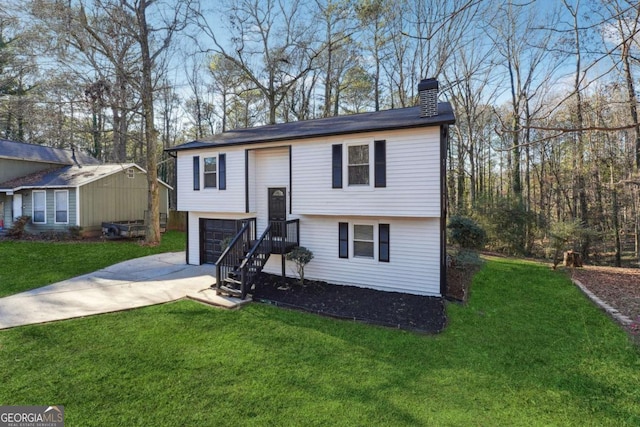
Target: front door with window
[277,210]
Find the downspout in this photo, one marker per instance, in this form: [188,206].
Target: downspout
[444,137]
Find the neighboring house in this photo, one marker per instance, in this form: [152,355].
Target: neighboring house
[60,189]
[363,192]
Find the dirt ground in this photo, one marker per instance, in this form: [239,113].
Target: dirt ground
[618,287]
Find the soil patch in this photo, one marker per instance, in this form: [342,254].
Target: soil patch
[392,309]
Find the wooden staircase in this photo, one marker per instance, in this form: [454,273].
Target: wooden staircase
[244,259]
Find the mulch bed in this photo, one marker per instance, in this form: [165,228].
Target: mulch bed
[618,287]
[392,309]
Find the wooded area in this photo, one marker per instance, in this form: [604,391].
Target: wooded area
[545,153]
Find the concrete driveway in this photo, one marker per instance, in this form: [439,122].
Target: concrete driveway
[139,282]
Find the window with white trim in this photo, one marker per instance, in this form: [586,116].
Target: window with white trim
[39,214]
[61,206]
[358,164]
[363,241]
[210,172]
[365,164]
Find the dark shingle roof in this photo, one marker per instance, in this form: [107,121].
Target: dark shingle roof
[400,118]
[40,153]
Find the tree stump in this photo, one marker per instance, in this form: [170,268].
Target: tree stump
[572,259]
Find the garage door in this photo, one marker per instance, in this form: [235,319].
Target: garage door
[212,233]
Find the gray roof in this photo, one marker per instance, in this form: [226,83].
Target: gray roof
[401,118]
[40,153]
[66,176]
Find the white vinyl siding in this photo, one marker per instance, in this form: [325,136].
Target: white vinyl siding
[39,213]
[61,206]
[412,176]
[209,199]
[413,268]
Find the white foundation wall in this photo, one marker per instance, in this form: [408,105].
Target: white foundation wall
[414,265]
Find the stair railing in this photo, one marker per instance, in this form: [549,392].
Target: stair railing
[255,260]
[233,255]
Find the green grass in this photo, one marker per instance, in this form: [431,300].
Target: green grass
[26,265]
[527,350]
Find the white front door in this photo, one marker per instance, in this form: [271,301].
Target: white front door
[17,206]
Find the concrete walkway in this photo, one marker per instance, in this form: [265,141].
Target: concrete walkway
[135,283]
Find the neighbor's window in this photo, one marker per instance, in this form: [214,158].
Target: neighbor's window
[358,164]
[363,241]
[210,172]
[62,206]
[39,207]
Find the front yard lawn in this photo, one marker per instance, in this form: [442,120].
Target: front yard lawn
[28,264]
[528,349]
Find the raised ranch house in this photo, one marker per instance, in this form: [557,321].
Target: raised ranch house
[61,188]
[363,192]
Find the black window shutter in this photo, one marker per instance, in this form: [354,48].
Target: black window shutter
[336,165]
[222,171]
[343,239]
[196,173]
[380,159]
[383,242]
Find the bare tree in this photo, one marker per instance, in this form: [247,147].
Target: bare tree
[270,42]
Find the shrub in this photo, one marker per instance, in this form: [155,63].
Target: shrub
[301,256]
[16,231]
[75,232]
[466,232]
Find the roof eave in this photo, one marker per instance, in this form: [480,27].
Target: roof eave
[447,119]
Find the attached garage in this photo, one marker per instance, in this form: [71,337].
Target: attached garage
[212,234]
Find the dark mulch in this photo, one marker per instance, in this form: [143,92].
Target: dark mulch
[392,309]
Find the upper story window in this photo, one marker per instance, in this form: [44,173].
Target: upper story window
[364,164]
[358,164]
[39,207]
[210,172]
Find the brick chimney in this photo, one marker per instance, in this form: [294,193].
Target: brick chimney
[428,92]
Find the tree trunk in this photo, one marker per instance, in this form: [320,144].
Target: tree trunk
[152,236]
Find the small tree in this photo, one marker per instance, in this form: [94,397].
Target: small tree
[301,256]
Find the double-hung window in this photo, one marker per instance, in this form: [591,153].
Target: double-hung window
[359,241]
[365,164]
[39,207]
[210,172]
[363,241]
[61,205]
[358,158]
